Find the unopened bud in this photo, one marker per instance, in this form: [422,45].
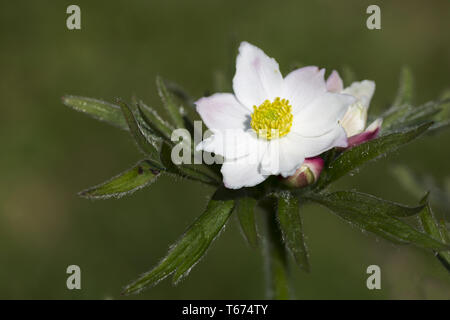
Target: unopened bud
[370,133]
[307,174]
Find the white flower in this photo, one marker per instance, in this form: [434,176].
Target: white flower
[354,120]
[271,124]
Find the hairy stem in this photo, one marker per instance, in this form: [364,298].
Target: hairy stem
[275,254]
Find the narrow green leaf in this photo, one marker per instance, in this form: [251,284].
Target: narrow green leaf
[355,157]
[292,229]
[406,88]
[396,115]
[189,171]
[245,208]
[425,112]
[169,103]
[432,228]
[445,232]
[180,93]
[154,121]
[97,109]
[136,131]
[428,221]
[376,222]
[127,182]
[373,205]
[408,116]
[193,244]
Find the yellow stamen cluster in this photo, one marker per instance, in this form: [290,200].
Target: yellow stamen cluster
[272,119]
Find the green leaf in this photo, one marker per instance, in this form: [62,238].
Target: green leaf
[408,116]
[141,175]
[275,255]
[97,109]
[369,203]
[195,172]
[169,103]
[142,141]
[443,118]
[292,229]
[245,208]
[154,121]
[191,247]
[429,222]
[374,220]
[445,232]
[353,158]
[406,88]
[180,93]
[434,229]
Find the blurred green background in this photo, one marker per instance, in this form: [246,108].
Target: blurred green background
[49,152]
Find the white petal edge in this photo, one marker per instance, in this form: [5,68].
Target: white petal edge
[322,114]
[257,76]
[283,157]
[242,172]
[314,146]
[362,90]
[231,144]
[222,111]
[303,86]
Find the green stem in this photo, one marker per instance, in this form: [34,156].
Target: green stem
[275,257]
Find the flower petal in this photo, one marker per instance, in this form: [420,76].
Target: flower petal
[334,82]
[314,146]
[222,111]
[284,156]
[362,90]
[231,144]
[354,120]
[370,133]
[242,172]
[322,114]
[257,76]
[303,86]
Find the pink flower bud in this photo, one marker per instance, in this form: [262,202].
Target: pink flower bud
[307,174]
[370,133]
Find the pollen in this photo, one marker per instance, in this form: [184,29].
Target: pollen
[272,119]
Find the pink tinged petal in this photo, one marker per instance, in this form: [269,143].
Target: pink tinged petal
[370,133]
[257,77]
[307,174]
[362,91]
[322,115]
[303,86]
[334,82]
[242,172]
[222,111]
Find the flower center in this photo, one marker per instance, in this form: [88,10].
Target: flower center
[272,119]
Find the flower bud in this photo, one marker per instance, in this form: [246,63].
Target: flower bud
[370,133]
[354,120]
[307,174]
